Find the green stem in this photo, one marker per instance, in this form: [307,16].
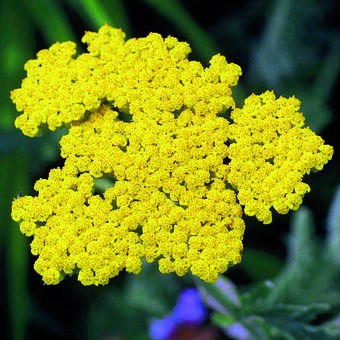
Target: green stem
[14,170]
[98,13]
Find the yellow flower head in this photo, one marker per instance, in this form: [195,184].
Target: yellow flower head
[141,114]
[269,154]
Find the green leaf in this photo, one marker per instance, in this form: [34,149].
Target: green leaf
[158,299]
[332,327]
[287,55]
[17,43]
[14,178]
[259,264]
[134,304]
[279,327]
[284,321]
[221,320]
[219,298]
[255,299]
[322,87]
[50,18]
[97,13]
[308,282]
[260,329]
[201,41]
[301,244]
[309,275]
[298,312]
[302,250]
[333,230]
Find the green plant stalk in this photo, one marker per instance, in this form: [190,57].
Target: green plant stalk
[17,47]
[14,169]
[100,12]
[97,12]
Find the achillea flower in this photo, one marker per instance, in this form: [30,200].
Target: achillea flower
[141,113]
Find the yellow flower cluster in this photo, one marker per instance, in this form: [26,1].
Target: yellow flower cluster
[147,75]
[270,152]
[140,113]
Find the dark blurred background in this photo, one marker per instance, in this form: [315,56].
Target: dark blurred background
[291,47]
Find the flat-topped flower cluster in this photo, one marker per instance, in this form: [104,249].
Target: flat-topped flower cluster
[142,114]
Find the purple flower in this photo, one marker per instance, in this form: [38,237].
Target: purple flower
[189,309]
[161,329]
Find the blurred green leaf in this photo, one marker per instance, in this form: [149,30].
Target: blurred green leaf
[201,41]
[255,298]
[302,248]
[14,179]
[281,327]
[97,13]
[333,326]
[49,17]
[259,264]
[221,320]
[297,312]
[288,57]
[267,321]
[333,230]
[308,286]
[309,275]
[127,311]
[301,243]
[157,299]
[218,298]
[17,41]
[316,107]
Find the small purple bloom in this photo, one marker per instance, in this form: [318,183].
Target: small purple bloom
[189,309]
[161,329]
